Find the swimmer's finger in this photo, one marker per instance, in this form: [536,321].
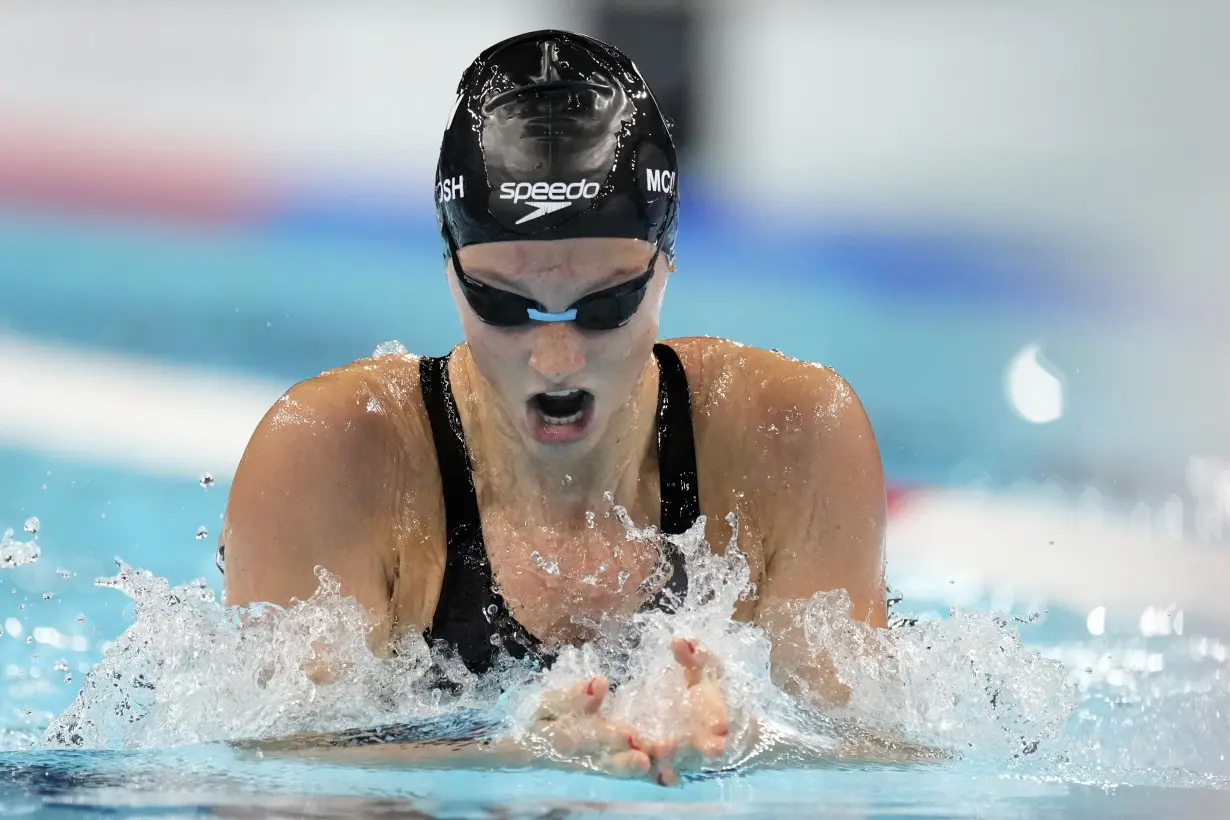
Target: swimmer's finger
[582,698]
[662,752]
[618,736]
[697,662]
[709,722]
[666,775]
[589,695]
[630,762]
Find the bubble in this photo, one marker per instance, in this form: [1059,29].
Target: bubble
[47,596]
[207,481]
[61,666]
[63,573]
[202,533]
[32,524]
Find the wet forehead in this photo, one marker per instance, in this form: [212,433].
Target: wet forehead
[587,260]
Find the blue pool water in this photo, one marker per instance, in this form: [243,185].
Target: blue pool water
[923,330]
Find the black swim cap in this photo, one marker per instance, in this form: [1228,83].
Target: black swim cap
[556,135]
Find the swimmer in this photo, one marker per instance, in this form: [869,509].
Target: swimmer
[465,497]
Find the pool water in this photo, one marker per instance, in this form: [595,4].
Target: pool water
[926,354]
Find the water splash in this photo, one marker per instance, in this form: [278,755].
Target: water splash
[190,670]
[962,686]
[389,348]
[17,553]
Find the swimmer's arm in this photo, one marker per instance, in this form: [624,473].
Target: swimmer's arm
[825,525]
[313,490]
[501,752]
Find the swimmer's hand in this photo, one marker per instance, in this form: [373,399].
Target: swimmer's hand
[570,721]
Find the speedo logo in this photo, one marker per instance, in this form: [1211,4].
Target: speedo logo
[547,197]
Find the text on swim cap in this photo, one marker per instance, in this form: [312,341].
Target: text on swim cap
[556,191]
[450,189]
[659,182]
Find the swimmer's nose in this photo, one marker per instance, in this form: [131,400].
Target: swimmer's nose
[557,352]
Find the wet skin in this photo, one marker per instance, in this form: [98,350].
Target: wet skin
[341,473]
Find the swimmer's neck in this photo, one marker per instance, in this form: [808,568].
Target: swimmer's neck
[559,491]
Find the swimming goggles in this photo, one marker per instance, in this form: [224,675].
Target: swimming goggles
[606,309]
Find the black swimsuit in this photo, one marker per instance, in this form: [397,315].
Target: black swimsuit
[471,616]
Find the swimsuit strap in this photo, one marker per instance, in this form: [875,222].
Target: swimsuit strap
[471,615]
[677,474]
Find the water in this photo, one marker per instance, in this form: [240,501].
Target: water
[1041,715]
[1127,726]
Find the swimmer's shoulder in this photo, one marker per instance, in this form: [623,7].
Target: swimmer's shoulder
[741,390]
[365,420]
[340,473]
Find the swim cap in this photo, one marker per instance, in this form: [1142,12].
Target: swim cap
[556,135]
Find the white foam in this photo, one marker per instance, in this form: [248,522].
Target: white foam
[126,411]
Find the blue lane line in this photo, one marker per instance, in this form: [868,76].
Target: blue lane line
[320,284]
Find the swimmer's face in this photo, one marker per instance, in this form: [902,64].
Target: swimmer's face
[525,363]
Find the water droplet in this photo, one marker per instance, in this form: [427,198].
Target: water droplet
[16,553]
[547,565]
[63,573]
[61,666]
[68,678]
[201,533]
[32,524]
[207,481]
[80,618]
[389,348]
[47,596]
[43,487]
[491,610]
[29,639]
[495,640]
[590,519]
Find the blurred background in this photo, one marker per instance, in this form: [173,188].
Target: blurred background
[1003,223]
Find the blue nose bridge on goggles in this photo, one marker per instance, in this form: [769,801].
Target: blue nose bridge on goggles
[536,315]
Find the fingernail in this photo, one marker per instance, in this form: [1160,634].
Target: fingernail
[723,731]
[661,779]
[691,646]
[589,690]
[632,744]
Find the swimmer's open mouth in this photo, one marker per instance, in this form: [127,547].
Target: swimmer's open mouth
[562,406]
